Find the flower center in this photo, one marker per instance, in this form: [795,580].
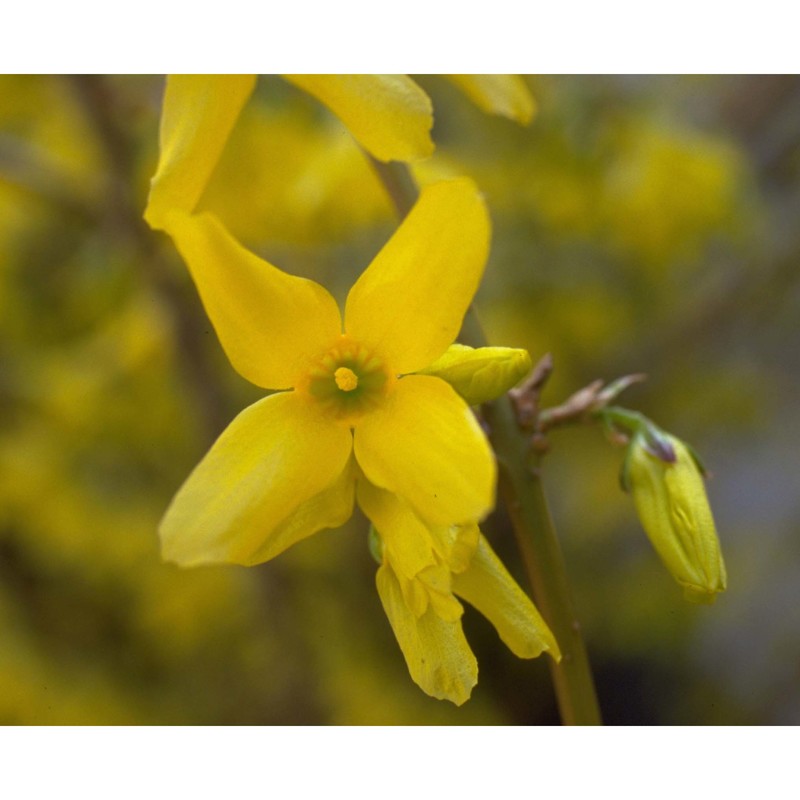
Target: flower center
[347,380]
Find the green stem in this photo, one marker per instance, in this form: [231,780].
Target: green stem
[522,491]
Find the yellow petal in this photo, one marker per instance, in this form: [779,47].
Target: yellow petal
[456,544]
[276,456]
[389,115]
[270,324]
[436,581]
[198,115]
[330,508]
[409,303]
[424,444]
[406,539]
[415,595]
[482,374]
[505,95]
[436,652]
[487,585]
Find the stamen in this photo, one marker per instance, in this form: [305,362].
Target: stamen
[346,379]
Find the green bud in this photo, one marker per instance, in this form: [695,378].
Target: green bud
[671,501]
[482,374]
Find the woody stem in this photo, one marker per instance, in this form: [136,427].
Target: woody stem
[522,492]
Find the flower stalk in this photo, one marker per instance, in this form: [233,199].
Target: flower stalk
[522,491]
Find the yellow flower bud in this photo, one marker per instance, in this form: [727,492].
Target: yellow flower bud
[671,501]
[482,374]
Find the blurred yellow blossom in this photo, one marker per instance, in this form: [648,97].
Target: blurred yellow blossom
[505,95]
[310,186]
[669,191]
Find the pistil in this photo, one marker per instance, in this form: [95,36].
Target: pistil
[345,379]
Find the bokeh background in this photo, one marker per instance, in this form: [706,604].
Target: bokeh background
[641,224]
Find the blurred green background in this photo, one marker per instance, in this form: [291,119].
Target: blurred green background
[640,224]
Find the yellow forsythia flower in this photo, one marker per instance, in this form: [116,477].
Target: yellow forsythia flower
[354,393]
[671,501]
[350,411]
[389,115]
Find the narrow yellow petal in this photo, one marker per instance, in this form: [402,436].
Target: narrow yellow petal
[480,374]
[409,303]
[198,115]
[487,585]
[505,95]
[270,324]
[404,536]
[389,115]
[424,444]
[436,652]
[276,456]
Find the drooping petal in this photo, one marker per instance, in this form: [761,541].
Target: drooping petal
[424,444]
[480,374]
[487,585]
[198,115]
[389,115]
[437,583]
[436,652]
[403,534]
[505,95]
[456,544]
[409,303]
[270,324]
[415,595]
[255,483]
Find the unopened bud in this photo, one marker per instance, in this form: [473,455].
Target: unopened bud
[482,374]
[671,501]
